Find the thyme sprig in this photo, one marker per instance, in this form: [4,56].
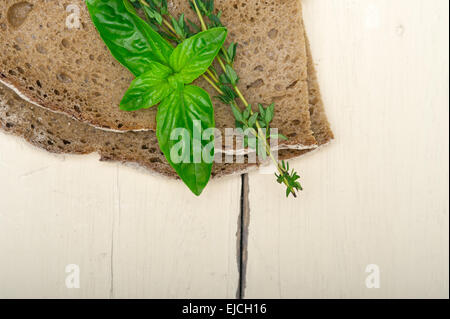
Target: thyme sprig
[225,83]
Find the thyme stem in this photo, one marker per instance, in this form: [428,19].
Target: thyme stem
[262,137]
[167,24]
[214,77]
[259,129]
[212,84]
[197,10]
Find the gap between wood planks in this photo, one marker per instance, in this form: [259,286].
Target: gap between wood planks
[242,237]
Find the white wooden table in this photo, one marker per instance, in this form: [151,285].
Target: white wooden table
[378,195]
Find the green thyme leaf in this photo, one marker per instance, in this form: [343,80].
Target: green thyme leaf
[215,20]
[269,113]
[223,78]
[179,27]
[231,75]
[262,111]
[231,52]
[160,4]
[195,27]
[152,14]
[237,114]
[228,95]
[252,119]
[278,137]
[201,5]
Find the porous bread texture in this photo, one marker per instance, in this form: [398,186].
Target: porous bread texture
[271,61]
[57,133]
[319,122]
[71,70]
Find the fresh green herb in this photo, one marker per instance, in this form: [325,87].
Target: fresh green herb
[162,76]
[259,122]
[292,178]
[144,47]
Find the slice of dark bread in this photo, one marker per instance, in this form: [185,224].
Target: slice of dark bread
[60,134]
[57,133]
[319,121]
[71,71]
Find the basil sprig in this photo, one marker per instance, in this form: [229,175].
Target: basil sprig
[163,75]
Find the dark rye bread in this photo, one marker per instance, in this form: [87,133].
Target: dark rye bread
[319,121]
[271,60]
[70,70]
[59,134]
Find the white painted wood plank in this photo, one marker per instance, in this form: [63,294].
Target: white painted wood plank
[171,244]
[379,193]
[54,211]
[131,234]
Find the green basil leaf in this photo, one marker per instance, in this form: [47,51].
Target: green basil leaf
[148,89]
[175,82]
[129,38]
[187,113]
[195,55]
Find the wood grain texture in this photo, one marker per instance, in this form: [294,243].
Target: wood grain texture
[172,244]
[131,234]
[379,193]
